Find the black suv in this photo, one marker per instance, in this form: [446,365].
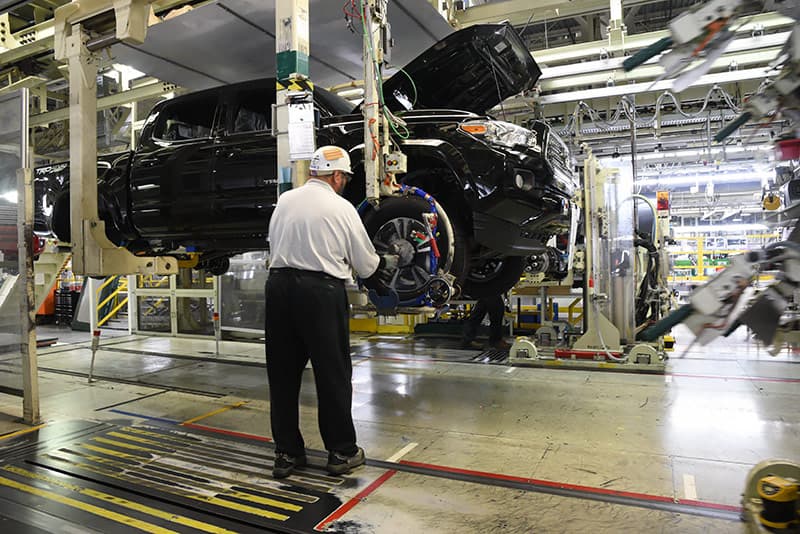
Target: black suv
[203,177]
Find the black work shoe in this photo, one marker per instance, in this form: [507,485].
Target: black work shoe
[339,464]
[285,464]
[471,345]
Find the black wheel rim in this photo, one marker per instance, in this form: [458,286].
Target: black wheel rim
[408,238]
[486,270]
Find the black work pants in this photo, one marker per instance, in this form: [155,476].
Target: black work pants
[495,307]
[306,317]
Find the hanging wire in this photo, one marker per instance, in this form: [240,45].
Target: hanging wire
[395,123]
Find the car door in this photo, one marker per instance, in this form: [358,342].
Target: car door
[171,179]
[245,177]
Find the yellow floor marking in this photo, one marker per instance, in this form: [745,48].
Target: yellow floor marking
[287,494]
[224,447]
[128,445]
[185,452]
[90,508]
[225,491]
[402,452]
[21,432]
[215,412]
[689,487]
[138,439]
[212,500]
[113,499]
[119,454]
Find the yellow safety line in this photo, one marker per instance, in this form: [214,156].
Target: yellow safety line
[212,500]
[207,487]
[21,432]
[129,446]
[155,512]
[92,509]
[240,495]
[103,450]
[184,442]
[139,439]
[302,497]
[186,452]
[215,412]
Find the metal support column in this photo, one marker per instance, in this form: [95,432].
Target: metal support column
[93,253]
[377,143]
[292,50]
[616,26]
[30,380]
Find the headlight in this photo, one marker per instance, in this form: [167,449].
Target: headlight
[502,133]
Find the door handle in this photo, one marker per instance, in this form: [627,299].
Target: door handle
[148,162]
[229,152]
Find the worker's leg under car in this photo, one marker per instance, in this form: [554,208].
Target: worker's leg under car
[473,322]
[496,308]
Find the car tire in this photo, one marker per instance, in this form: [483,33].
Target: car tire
[494,276]
[61,221]
[216,267]
[60,218]
[405,214]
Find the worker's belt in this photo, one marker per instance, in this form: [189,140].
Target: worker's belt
[302,272]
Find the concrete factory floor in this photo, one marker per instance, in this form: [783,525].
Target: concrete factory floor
[179,436]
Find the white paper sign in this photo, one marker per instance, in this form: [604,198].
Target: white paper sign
[301,131]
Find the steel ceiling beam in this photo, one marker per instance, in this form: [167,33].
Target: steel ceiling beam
[518,12]
[593,50]
[648,87]
[757,58]
[8,5]
[117,99]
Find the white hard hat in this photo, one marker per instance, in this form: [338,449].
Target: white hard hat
[330,158]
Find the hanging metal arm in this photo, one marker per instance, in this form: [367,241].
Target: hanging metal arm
[93,253]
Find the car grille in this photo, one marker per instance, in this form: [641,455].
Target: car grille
[558,154]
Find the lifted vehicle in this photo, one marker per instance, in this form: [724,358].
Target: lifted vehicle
[203,178]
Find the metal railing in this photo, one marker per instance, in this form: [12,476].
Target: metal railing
[575,313]
[113,299]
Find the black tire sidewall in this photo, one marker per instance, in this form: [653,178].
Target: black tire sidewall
[508,276]
[412,207]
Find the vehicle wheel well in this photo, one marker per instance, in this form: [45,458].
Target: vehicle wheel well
[444,185]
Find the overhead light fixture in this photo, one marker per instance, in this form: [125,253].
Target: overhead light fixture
[727,228]
[700,152]
[693,179]
[128,73]
[10,196]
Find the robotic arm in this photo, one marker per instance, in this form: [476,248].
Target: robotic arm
[729,300]
[701,32]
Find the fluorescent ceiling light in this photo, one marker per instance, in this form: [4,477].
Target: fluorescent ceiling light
[701,152]
[10,196]
[691,179]
[709,228]
[128,73]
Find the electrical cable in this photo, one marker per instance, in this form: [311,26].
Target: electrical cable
[497,85]
[600,335]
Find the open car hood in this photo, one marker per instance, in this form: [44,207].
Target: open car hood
[473,70]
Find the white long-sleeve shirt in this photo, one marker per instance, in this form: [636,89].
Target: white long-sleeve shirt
[315,229]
